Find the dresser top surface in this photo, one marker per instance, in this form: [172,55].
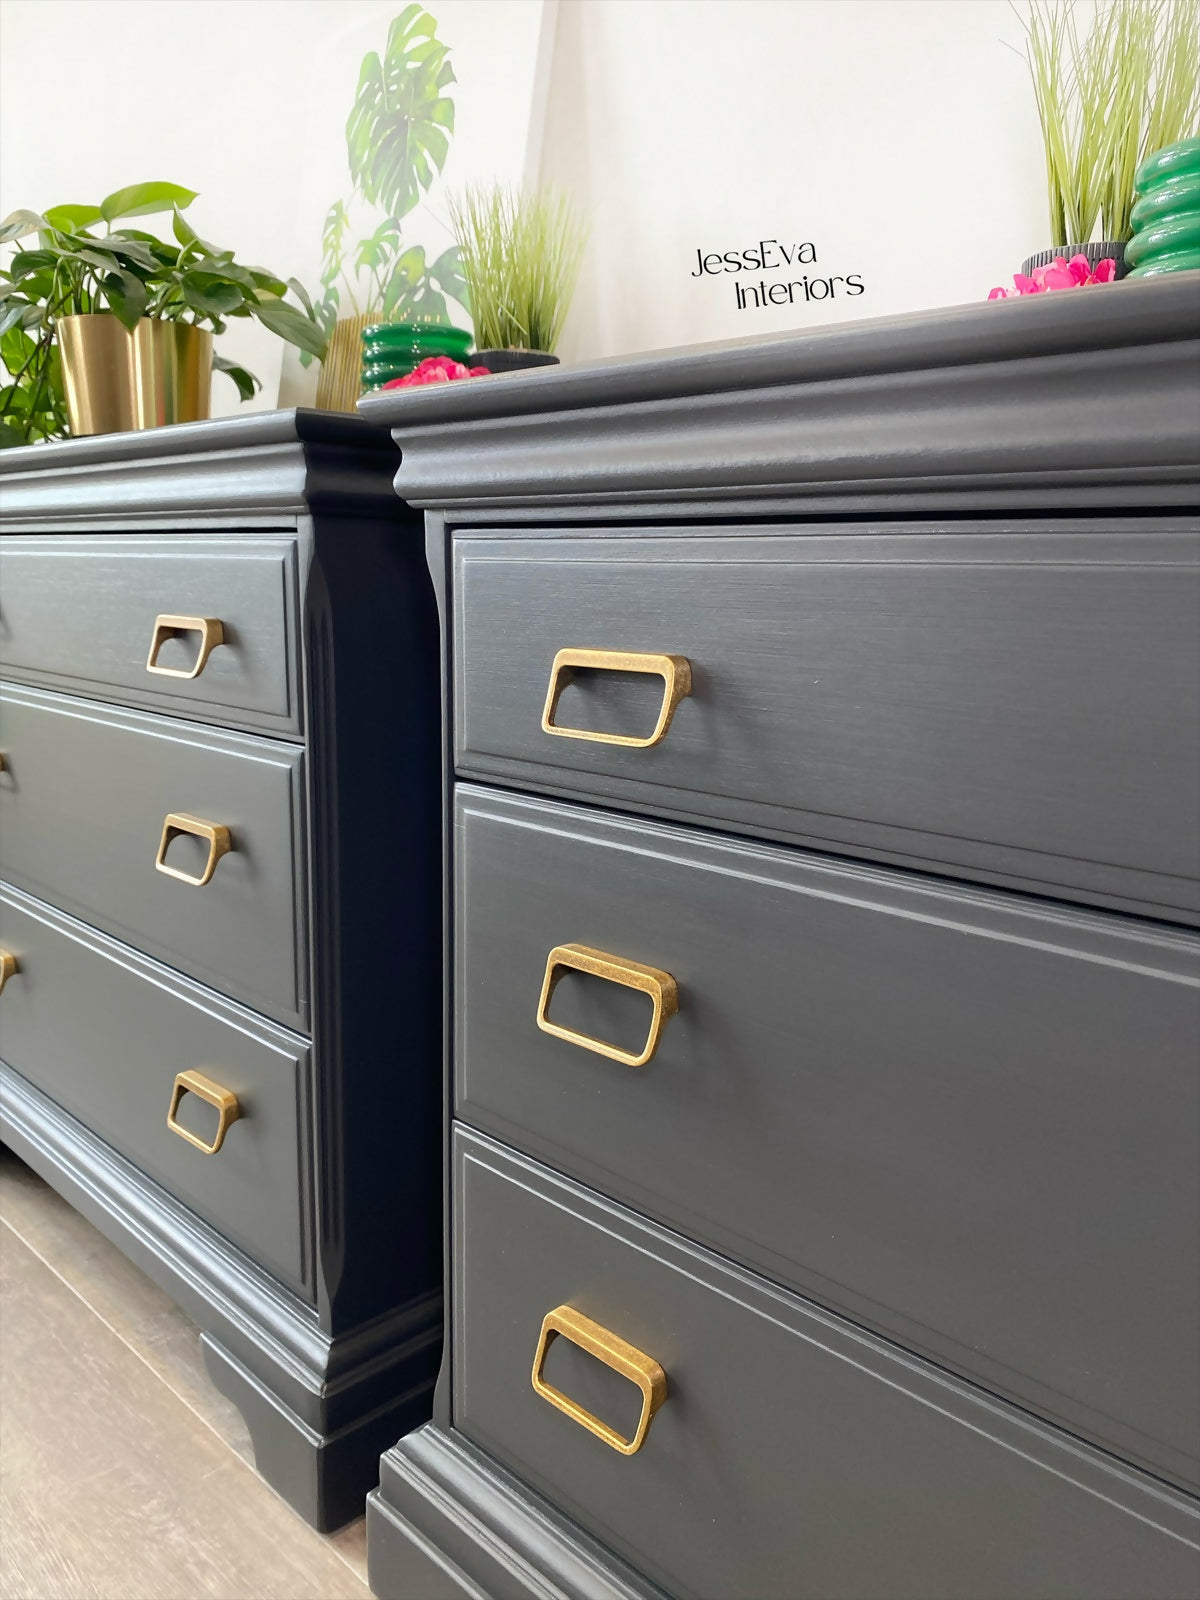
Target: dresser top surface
[255,430]
[1106,317]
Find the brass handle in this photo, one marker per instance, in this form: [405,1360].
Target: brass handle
[675,672]
[9,967]
[660,986]
[624,1358]
[210,629]
[226,1102]
[219,844]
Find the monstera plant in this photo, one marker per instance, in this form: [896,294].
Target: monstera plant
[397,139]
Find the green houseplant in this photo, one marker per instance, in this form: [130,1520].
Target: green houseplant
[113,329]
[397,140]
[1110,90]
[521,252]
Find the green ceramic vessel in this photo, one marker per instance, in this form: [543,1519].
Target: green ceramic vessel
[1166,213]
[392,349]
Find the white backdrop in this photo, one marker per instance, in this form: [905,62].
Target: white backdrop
[245,101]
[899,137]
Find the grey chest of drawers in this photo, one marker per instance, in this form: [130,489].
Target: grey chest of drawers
[822,1030]
[219,845]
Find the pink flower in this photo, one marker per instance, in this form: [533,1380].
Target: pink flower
[436,369]
[1059,274]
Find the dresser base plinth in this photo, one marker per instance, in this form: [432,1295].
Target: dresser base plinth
[319,1407]
[447,1521]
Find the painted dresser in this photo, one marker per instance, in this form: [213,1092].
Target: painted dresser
[823,1031]
[219,844]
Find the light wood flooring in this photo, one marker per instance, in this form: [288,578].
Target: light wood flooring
[124,1475]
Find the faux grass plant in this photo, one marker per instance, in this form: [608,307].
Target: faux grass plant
[1114,82]
[521,251]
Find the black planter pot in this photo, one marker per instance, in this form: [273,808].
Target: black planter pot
[1094,253]
[512,360]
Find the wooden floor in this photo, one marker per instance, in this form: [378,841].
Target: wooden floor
[123,1473]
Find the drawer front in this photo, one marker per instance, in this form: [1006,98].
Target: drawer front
[79,613]
[83,800]
[965,1118]
[793,1457]
[105,1033]
[1022,704]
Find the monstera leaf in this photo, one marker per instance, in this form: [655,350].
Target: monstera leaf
[417,289]
[398,132]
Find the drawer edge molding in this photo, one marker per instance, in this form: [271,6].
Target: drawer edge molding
[1089,1469]
[957,414]
[445,1512]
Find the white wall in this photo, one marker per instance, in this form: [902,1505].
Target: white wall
[245,101]
[900,137]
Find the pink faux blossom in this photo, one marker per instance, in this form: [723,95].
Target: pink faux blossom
[436,369]
[1059,274]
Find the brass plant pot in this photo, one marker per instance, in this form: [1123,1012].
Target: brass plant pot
[116,381]
[170,372]
[97,373]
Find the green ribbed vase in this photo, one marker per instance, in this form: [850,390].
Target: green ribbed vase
[1166,214]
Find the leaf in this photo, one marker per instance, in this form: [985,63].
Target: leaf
[10,436]
[395,134]
[301,294]
[132,249]
[247,383]
[16,312]
[18,223]
[144,199]
[211,295]
[69,219]
[27,261]
[182,228]
[373,252]
[126,296]
[222,265]
[289,324]
[447,273]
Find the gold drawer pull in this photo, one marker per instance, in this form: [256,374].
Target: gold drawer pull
[660,986]
[226,1102]
[631,1363]
[219,844]
[675,672]
[210,629]
[9,967]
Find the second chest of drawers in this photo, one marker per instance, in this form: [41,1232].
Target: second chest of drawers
[824,742]
[220,872]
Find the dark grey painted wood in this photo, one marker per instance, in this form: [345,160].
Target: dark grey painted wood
[1082,409]
[448,1520]
[80,1000]
[316,1403]
[793,1456]
[360,814]
[968,1120]
[1061,398]
[281,462]
[83,798]
[77,613]
[1023,697]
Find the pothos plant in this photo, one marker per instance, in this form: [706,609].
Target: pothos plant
[397,141]
[74,269]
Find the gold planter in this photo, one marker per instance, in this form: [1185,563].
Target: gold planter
[340,383]
[116,381]
[171,372]
[97,373]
